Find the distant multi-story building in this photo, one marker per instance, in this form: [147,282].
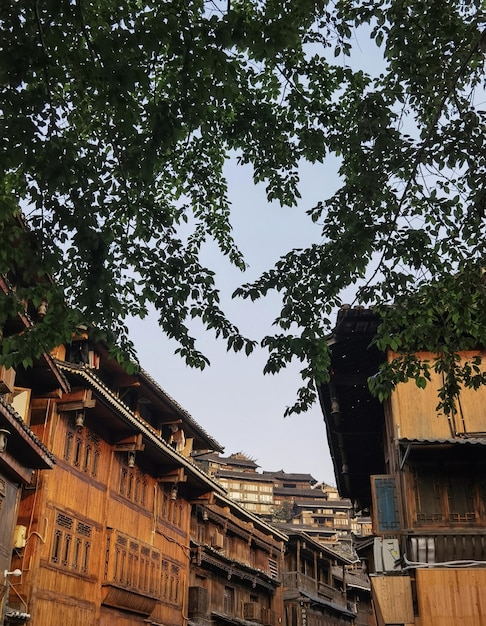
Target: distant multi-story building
[294,499]
[238,474]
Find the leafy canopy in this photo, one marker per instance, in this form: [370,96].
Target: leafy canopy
[117,119]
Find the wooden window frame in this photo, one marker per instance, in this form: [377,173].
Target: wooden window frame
[82,450]
[71,544]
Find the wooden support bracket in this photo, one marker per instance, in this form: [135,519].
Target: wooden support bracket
[205,498]
[133,443]
[175,476]
[77,400]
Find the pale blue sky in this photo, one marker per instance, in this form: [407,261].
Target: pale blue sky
[232,399]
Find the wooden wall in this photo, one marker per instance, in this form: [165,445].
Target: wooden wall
[392,598]
[414,409]
[96,524]
[451,597]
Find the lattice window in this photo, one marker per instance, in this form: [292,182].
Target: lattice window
[78,451]
[71,544]
[460,496]
[165,580]
[68,445]
[446,494]
[144,579]
[229,600]
[201,533]
[133,485]
[174,583]
[172,511]
[164,504]
[155,574]
[82,450]
[386,515]
[133,565]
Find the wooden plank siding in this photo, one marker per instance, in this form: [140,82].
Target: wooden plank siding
[414,409]
[392,598]
[108,539]
[451,597]
[236,566]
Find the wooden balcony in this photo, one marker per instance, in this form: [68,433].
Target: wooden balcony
[296,581]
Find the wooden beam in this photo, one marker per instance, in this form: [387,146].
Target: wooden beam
[132,443]
[77,400]
[10,463]
[175,476]
[205,498]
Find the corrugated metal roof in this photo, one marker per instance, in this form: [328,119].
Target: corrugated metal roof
[472,441]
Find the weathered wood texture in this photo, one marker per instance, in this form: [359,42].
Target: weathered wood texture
[103,536]
[414,409]
[234,568]
[392,597]
[55,611]
[451,597]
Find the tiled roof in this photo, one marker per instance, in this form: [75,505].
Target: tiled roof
[327,603]
[298,477]
[240,460]
[297,529]
[249,477]
[320,503]
[257,521]
[207,456]
[145,429]
[22,425]
[181,410]
[352,580]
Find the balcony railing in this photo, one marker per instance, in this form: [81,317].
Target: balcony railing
[300,582]
[434,547]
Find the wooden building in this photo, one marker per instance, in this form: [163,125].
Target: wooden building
[421,474]
[21,455]
[236,566]
[108,529]
[311,597]
[238,474]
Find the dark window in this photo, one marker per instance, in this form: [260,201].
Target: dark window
[448,494]
[229,600]
[82,450]
[71,544]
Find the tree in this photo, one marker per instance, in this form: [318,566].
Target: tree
[283,512]
[117,119]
